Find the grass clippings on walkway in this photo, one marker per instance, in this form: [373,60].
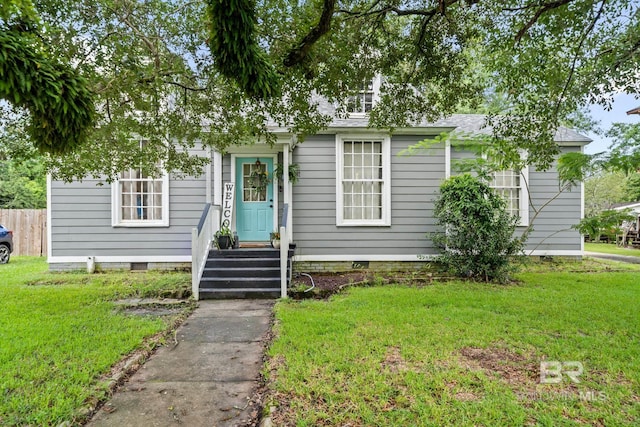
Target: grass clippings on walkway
[461,354]
[62,331]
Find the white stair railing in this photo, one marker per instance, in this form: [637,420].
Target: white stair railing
[284,252]
[201,240]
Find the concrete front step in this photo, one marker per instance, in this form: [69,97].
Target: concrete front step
[247,253]
[242,273]
[241,293]
[239,282]
[242,263]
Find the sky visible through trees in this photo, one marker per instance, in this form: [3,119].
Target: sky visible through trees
[161,69]
[618,114]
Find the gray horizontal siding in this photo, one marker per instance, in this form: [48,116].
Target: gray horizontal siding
[414,185]
[226,168]
[81,221]
[81,212]
[552,227]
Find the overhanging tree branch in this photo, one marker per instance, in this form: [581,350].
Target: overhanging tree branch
[299,53]
[543,9]
[440,9]
[185,87]
[574,62]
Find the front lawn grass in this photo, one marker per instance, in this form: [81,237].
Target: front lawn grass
[61,332]
[610,248]
[461,354]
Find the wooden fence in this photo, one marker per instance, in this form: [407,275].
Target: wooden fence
[29,230]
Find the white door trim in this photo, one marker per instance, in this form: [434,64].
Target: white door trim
[274,182]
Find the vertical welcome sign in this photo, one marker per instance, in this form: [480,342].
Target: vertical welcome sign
[227,204]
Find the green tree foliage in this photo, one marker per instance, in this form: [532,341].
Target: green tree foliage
[631,189]
[180,72]
[57,98]
[623,156]
[607,222]
[23,184]
[23,177]
[545,60]
[625,150]
[477,238]
[602,191]
[233,43]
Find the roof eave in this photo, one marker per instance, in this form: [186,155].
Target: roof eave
[581,143]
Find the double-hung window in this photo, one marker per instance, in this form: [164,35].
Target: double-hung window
[140,200]
[363,185]
[366,98]
[511,185]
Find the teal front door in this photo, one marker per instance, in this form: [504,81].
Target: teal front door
[254,198]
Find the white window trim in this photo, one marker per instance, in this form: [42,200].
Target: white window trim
[116,211]
[385,221]
[523,209]
[524,197]
[377,82]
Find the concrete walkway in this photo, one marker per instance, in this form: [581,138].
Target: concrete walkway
[613,257]
[207,379]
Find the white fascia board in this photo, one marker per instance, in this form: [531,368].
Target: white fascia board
[417,130]
[118,259]
[254,149]
[629,206]
[572,143]
[397,131]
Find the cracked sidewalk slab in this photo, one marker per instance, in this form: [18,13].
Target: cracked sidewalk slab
[207,379]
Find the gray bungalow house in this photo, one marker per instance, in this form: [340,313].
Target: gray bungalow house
[356,203]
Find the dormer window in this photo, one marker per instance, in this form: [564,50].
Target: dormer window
[366,98]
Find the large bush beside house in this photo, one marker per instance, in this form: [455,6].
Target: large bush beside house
[477,236]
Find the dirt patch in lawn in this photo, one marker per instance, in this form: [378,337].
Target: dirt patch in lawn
[58,282]
[461,393]
[393,360]
[509,366]
[154,306]
[323,285]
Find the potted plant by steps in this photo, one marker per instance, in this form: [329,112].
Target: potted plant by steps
[275,240]
[223,239]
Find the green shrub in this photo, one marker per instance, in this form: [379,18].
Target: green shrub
[477,236]
[608,222]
